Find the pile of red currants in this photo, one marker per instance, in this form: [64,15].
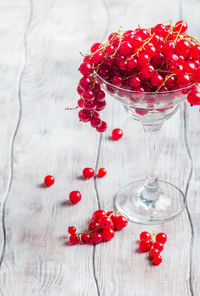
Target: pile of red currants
[146,244]
[157,59]
[100,229]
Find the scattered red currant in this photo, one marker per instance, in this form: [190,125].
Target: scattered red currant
[49,180]
[117,134]
[75,197]
[88,173]
[71,229]
[102,172]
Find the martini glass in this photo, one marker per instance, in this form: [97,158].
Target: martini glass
[149,201]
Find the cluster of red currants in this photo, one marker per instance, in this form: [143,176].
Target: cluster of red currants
[100,229]
[146,244]
[158,59]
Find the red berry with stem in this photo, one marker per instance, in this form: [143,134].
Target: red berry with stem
[100,105]
[96,238]
[135,81]
[183,80]
[98,57]
[100,95]
[97,215]
[89,105]
[183,47]
[85,238]
[117,80]
[74,239]
[145,245]
[88,95]
[196,75]
[180,27]
[145,235]
[132,63]
[85,69]
[80,103]
[143,59]
[154,253]
[96,46]
[157,260]
[95,122]
[102,172]
[117,134]
[49,180]
[147,71]
[75,197]
[161,238]
[107,234]
[80,90]
[120,222]
[71,229]
[110,49]
[88,59]
[85,83]
[102,127]
[157,80]
[105,222]
[88,173]
[194,98]
[125,48]
[158,246]
[93,226]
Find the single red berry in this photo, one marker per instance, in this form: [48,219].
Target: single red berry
[93,226]
[125,48]
[117,80]
[161,238]
[154,253]
[145,235]
[195,51]
[80,103]
[100,105]
[85,69]
[88,59]
[71,229]
[157,80]
[86,83]
[183,47]
[119,222]
[85,238]
[107,234]
[99,95]
[135,81]
[102,172]
[88,173]
[89,105]
[180,27]
[88,95]
[84,115]
[147,71]
[157,260]
[183,80]
[95,122]
[117,134]
[96,46]
[194,98]
[97,215]
[145,245]
[102,127]
[98,57]
[75,197]
[49,180]
[158,246]
[96,238]
[196,75]
[110,214]
[110,49]
[105,222]
[80,90]
[143,59]
[74,239]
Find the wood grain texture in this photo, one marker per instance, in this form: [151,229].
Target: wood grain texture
[38,66]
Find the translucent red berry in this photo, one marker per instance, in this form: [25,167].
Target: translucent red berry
[85,238]
[88,173]
[85,69]
[105,222]
[154,253]
[145,235]
[157,260]
[158,246]
[107,234]
[71,229]
[93,226]
[49,180]
[145,245]
[194,98]
[119,222]
[102,172]
[117,134]
[97,215]
[102,127]
[96,238]
[180,27]
[75,197]
[74,239]
[161,238]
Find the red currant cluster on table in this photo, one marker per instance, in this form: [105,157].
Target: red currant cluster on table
[101,229]
[157,59]
[154,248]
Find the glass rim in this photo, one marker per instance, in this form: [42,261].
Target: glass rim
[145,92]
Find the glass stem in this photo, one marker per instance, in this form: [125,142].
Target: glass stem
[151,185]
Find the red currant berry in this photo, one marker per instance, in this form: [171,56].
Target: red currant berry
[74,239]
[98,57]
[110,49]
[97,215]
[195,51]
[125,48]
[88,95]
[157,260]
[145,245]
[158,246]
[85,238]
[132,63]
[85,69]
[147,71]
[157,80]
[193,98]
[88,173]
[107,234]
[80,90]
[85,82]
[89,105]
[120,222]
[88,59]
[183,47]
[93,226]
[117,80]
[117,134]
[196,75]
[96,46]
[100,95]
[49,180]
[168,47]
[100,105]
[102,127]
[183,80]
[105,222]
[143,59]
[135,81]
[75,197]
[102,172]
[189,67]
[71,229]
[161,238]
[84,115]
[154,253]
[180,27]
[145,235]
[80,103]
[96,238]
[95,122]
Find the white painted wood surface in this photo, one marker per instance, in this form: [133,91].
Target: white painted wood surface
[40,42]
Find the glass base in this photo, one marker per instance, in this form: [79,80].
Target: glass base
[169,203]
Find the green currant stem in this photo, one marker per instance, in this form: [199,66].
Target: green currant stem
[179,32]
[164,82]
[197,41]
[74,108]
[90,231]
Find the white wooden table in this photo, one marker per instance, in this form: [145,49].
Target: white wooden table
[40,42]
